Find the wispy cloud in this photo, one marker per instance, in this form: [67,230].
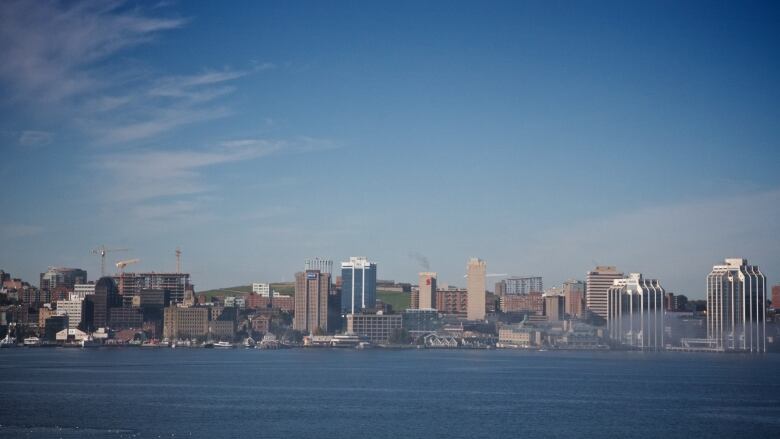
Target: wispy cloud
[35,138]
[50,50]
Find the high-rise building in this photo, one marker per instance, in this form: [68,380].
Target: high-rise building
[554,306]
[776,297]
[176,283]
[56,277]
[599,281]
[636,312]
[427,291]
[358,285]
[97,306]
[523,285]
[574,295]
[736,306]
[311,301]
[500,288]
[476,270]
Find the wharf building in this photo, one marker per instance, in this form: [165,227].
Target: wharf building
[599,280]
[476,271]
[377,328]
[736,306]
[358,285]
[311,301]
[636,312]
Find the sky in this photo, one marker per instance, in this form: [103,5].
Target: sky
[542,137]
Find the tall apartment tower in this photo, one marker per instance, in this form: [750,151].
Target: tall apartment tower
[311,301]
[358,285]
[476,270]
[736,306]
[636,312]
[427,291]
[599,280]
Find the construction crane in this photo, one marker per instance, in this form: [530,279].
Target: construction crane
[102,250]
[491,275]
[121,266]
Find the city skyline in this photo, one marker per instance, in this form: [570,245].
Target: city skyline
[545,140]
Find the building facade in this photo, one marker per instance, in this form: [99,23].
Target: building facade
[186,323]
[574,295]
[636,312]
[523,285]
[378,328]
[476,272]
[776,296]
[427,291]
[73,309]
[176,283]
[736,306]
[599,280]
[358,285]
[452,301]
[555,308]
[311,301]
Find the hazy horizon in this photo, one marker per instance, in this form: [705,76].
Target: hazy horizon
[544,138]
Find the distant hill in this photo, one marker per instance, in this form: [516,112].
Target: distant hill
[285,288]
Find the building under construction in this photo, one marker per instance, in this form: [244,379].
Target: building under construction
[131,284]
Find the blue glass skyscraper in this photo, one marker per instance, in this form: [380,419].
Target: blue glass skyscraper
[358,285]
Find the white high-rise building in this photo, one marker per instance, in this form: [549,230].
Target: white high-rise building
[427,290]
[636,312]
[599,280]
[262,289]
[736,306]
[476,271]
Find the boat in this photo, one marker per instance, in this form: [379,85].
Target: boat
[8,342]
[90,343]
[223,345]
[250,343]
[32,341]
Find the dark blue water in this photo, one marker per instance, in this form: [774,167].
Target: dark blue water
[385,394]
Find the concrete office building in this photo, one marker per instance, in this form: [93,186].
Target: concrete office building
[72,308]
[311,301]
[599,280]
[262,289]
[378,328]
[358,285]
[427,291]
[476,271]
[185,323]
[636,312]
[736,306]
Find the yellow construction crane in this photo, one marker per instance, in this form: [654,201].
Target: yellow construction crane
[121,266]
[102,250]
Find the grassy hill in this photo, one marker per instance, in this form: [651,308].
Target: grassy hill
[399,301]
[287,289]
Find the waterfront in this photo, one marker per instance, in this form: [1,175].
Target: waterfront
[384,394]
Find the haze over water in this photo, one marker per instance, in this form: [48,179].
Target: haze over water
[63,393]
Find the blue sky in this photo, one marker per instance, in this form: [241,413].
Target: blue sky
[544,137]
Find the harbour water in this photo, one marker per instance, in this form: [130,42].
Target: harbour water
[327,393]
